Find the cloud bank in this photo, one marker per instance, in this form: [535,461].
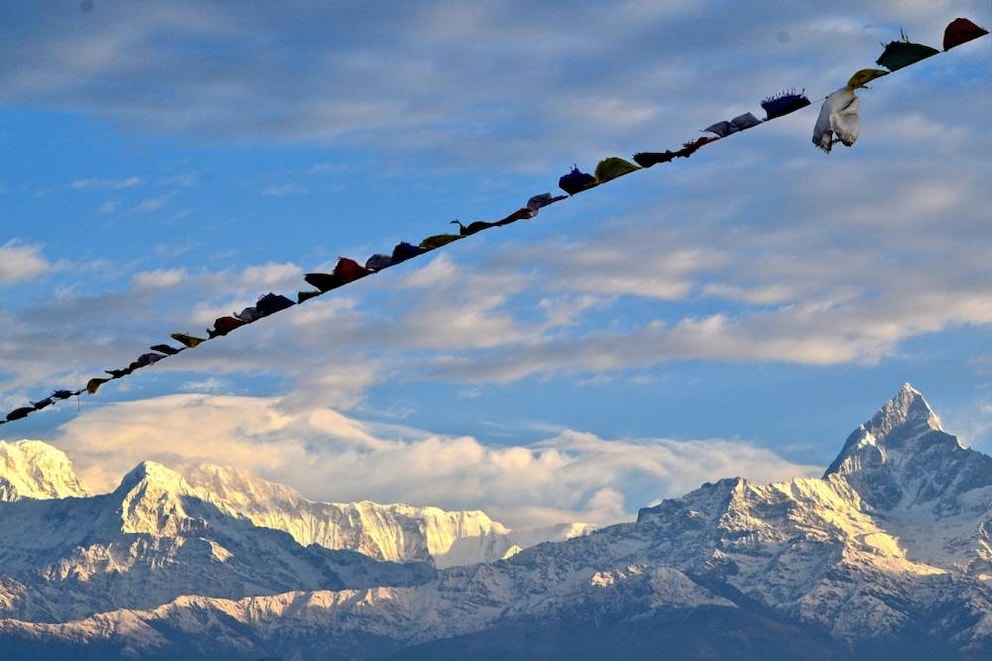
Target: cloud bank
[328,456]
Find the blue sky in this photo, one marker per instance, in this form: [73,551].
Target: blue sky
[736,313]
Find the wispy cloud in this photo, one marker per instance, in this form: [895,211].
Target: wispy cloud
[206,386]
[328,168]
[185,180]
[152,204]
[106,184]
[168,250]
[283,190]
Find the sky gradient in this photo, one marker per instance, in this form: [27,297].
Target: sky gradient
[736,313]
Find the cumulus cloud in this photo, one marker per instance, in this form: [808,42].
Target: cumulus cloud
[329,456]
[20,262]
[270,274]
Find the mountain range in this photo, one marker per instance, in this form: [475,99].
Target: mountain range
[888,554]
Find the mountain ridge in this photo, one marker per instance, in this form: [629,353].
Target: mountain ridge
[888,552]
[395,532]
[389,532]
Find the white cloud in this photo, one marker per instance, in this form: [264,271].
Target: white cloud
[210,385]
[166,278]
[435,76]
[746,256]
[185,180]
[270,274]
[106,184]
[172,250]
[152,204]
[328,168]
[20,262]
[328,456]
[284,190]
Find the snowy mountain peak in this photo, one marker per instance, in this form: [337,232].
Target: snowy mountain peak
[908,407]
[153,500]
[151,472]
[33,469]
[901,456]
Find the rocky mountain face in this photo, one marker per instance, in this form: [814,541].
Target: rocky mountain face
[885,556]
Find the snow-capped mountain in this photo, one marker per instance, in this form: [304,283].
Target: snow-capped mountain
[66,554]
[152,540]
[32,469]
[932,493]
[886,556]
[398,532]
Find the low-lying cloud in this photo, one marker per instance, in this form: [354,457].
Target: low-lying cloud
[328,456]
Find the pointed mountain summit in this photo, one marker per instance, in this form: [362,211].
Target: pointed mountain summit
[907,409]
[36,470]
[902,458]
[153,501]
